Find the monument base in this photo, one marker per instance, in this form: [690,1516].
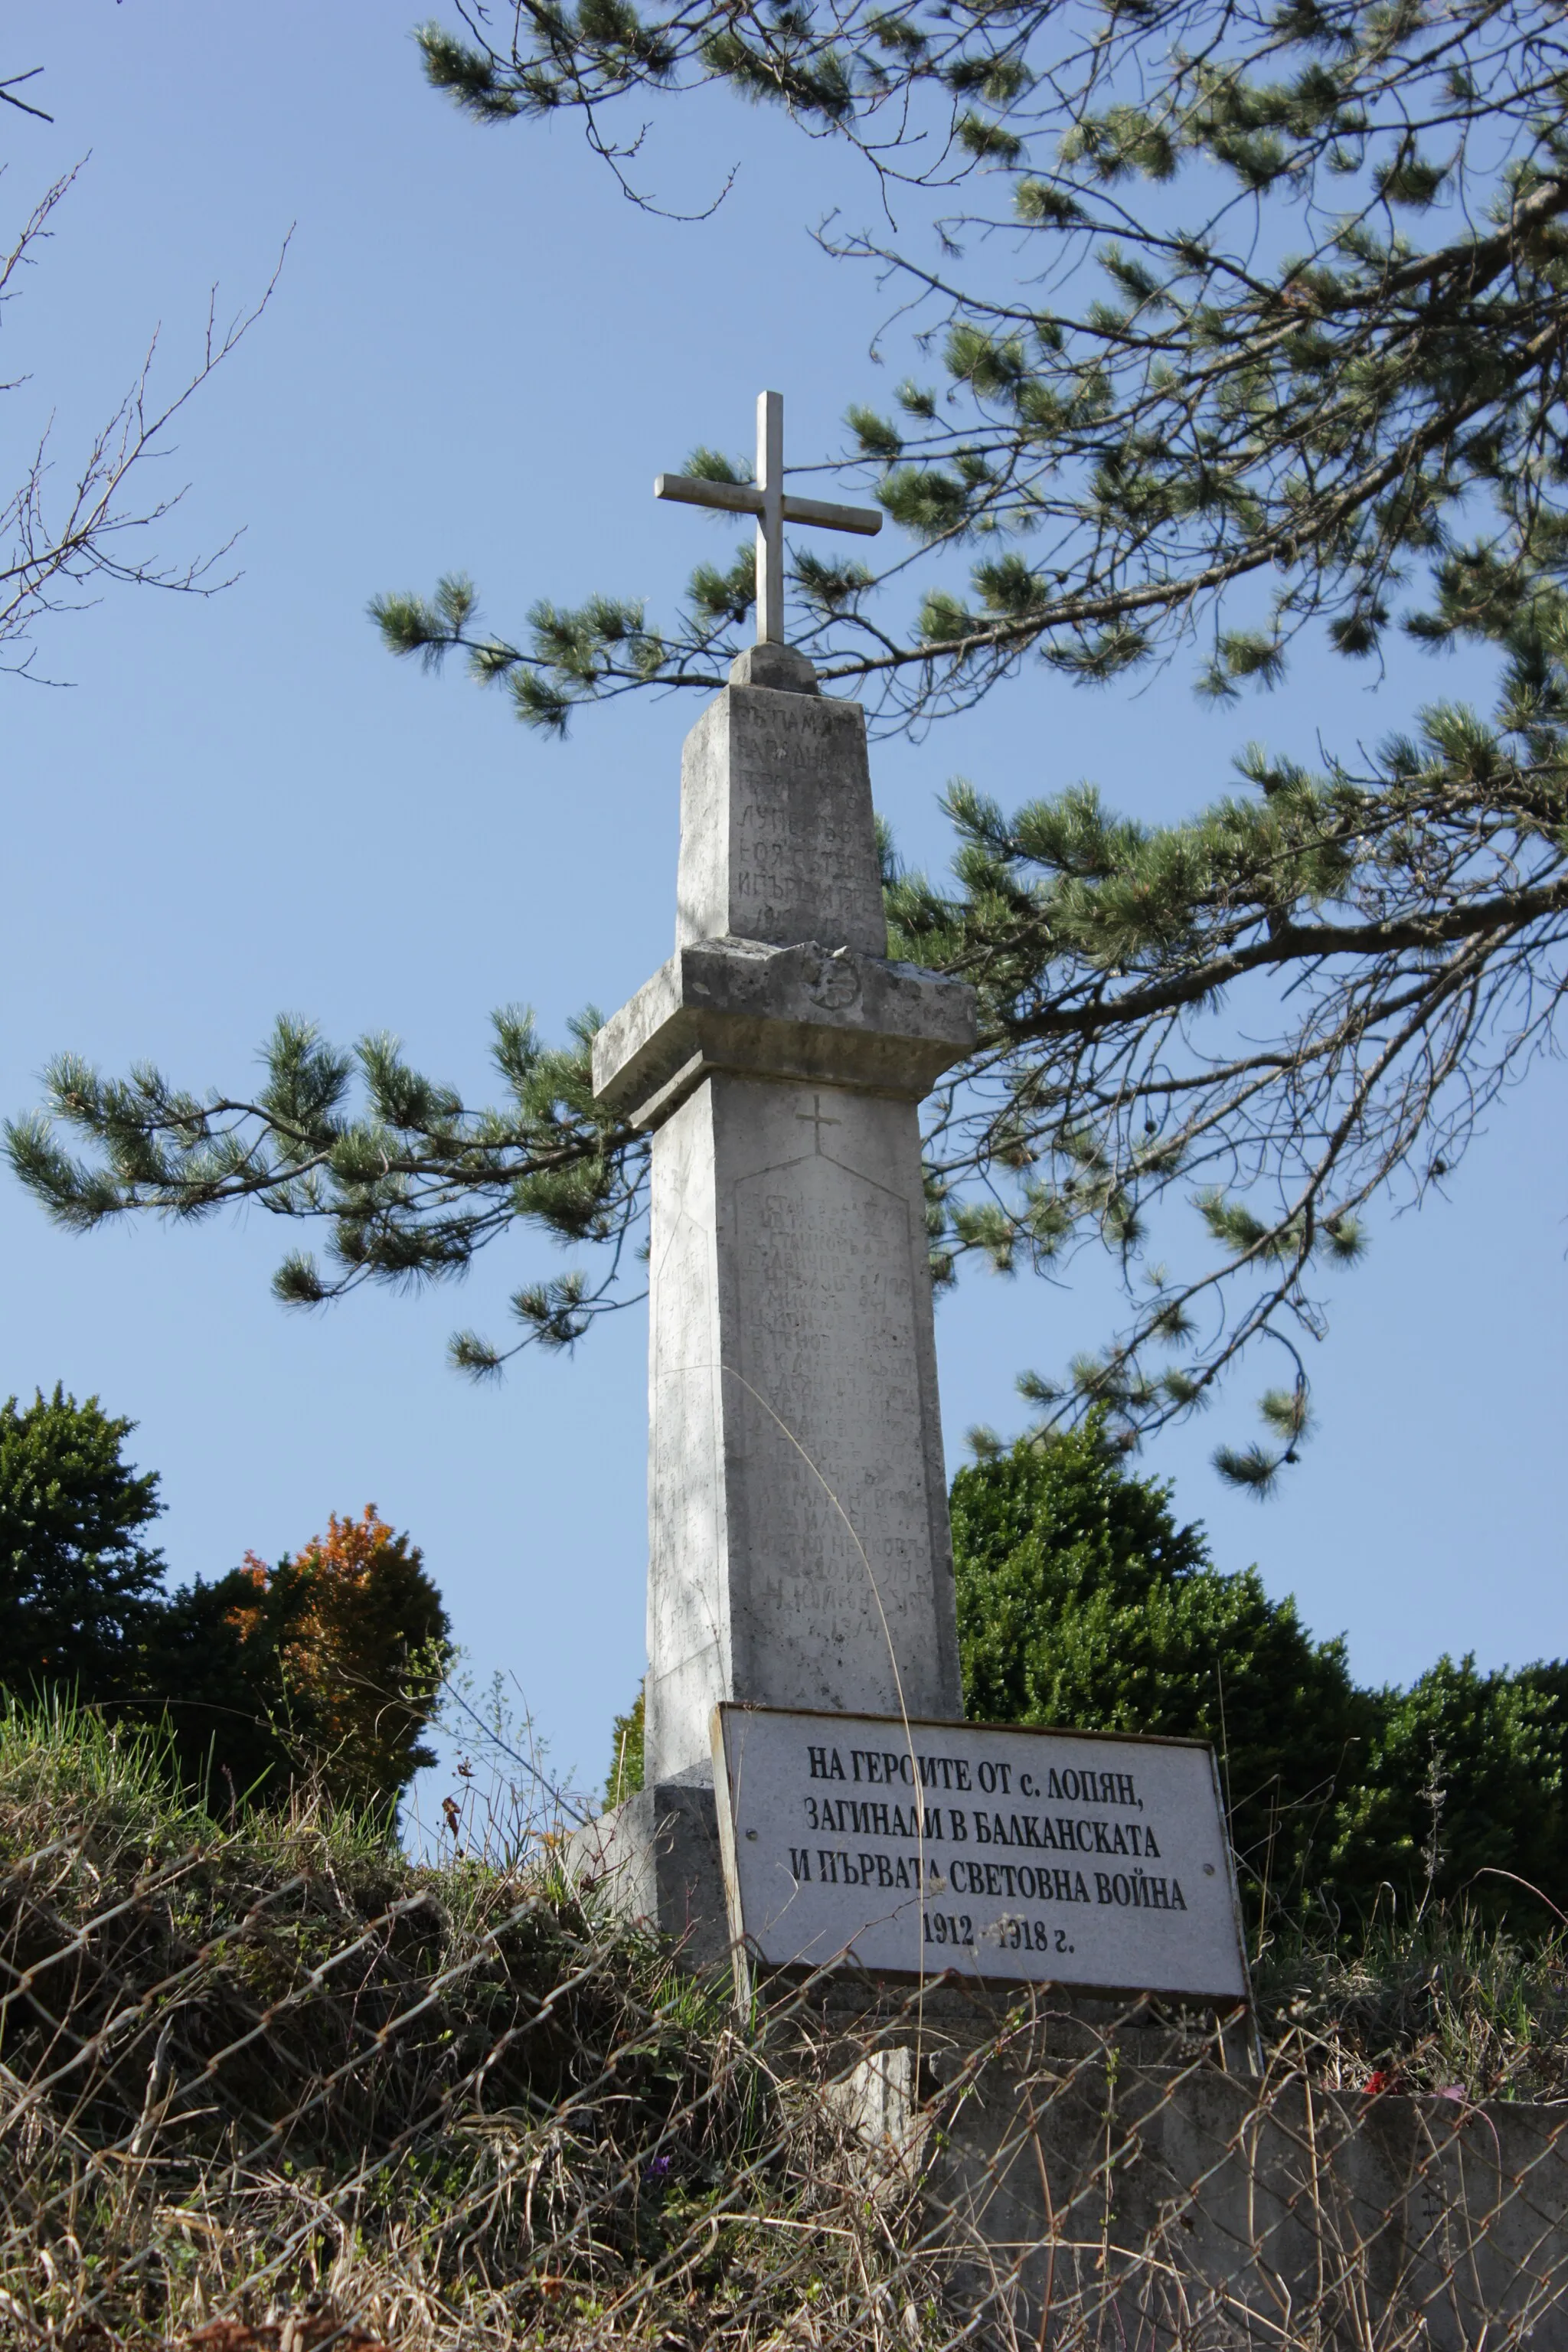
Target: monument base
[655,1859]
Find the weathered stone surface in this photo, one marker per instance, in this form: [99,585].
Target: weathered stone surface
[799,1547]
[777,841]
[655,1859]
[911,1848]
[799,1552]
[1235,2212]
[838,1019]
[780,667]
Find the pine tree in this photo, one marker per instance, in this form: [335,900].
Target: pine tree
[1283,351]
[77,1587]
[1286,306]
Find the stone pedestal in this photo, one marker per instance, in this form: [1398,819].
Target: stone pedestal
[656,1856]
[799,1552]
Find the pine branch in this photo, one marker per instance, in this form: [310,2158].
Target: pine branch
[1174,417]
[410,1182]
[1108,1101]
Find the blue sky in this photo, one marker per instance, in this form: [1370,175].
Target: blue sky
[478,355]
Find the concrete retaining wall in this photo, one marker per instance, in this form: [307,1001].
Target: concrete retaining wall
[1131,2207]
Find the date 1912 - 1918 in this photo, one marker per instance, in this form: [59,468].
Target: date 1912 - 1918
[1009,1933]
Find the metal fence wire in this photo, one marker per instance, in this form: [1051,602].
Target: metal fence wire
[283,2092]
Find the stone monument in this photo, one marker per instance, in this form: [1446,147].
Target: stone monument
[799,1552]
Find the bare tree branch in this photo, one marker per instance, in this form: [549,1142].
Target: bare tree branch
[59,546]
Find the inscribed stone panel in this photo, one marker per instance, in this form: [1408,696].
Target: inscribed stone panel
[912,1847]
[777,837]
[832,1580]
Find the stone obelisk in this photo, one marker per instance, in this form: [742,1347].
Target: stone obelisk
[799,1552]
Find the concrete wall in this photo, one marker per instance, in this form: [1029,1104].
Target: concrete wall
[1134,2206]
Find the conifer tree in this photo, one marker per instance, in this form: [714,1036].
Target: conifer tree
[78,1586]
[1280,348]
[1082,1604]
[1285,305]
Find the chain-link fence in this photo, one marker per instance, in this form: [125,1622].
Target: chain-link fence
[273,2088]
[1096,2200]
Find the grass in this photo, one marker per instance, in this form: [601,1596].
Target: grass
[272,2066]
[1441,2003]
[276,2067]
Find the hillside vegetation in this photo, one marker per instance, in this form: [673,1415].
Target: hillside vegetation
[279,2067]
[274,2068]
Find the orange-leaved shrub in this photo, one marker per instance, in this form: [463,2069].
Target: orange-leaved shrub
[325,1667]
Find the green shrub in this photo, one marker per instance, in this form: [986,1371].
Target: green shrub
[322,1668]
[325,1667]
[1462,1784]
[1082,1602]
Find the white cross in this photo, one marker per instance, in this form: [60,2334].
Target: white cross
[772,508]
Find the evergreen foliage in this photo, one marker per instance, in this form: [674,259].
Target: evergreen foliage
[1462,1788]
[1286,308]
[324,1669]
[1282,348]
[625,1776]
[1081,1603]
[77,1587]
[411,1182]
[1272,1015]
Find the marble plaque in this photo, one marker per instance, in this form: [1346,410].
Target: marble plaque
[912,1849]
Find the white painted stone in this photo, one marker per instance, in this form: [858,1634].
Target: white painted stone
[912,1848]
[800,1553]
[777,841]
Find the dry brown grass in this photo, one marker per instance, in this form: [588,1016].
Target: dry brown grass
[272,2087]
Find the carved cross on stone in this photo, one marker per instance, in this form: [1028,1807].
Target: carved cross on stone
[817,1118]
[768,501]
